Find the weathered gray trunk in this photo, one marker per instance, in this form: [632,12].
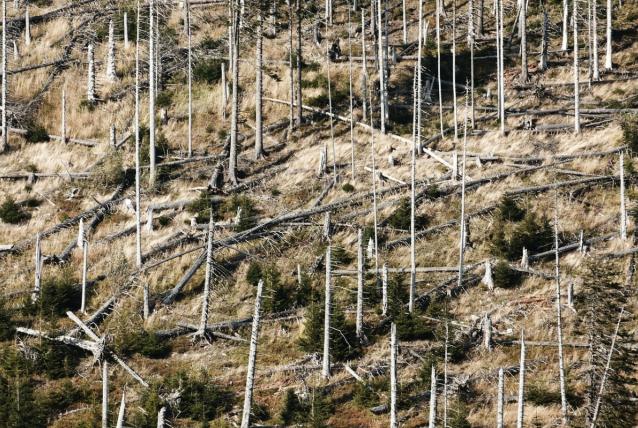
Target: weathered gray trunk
[360,278]
[381,66]
[623,210]
[352,151]
[393,376]
[559,322]
[331,120]
[110,57]
[432,415]
[85,267]
[151,94]
[121,413]
[105,394]
[291,68]
[500,399]
[35,295]
[520,415]
[299,64]
[405,23]
[462,219]
[252,355]
[190,80]
[576,73]
[487,277]
[364,69]
[544,42]
[232,163]
[259,131]
[161,416]
[90,88]
[325,371]
[384,290]
[523,24]
[438,61]
[27,27]
[453,52]
[208,275]
[138,190]
[125,25]
[224,89]
[565,33]
[594,25]
[487,332]
[502,68]
[608,50]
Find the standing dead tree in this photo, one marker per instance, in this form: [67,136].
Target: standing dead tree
[500,399]
[190,78]
[5,129]
[360,281]
[325,370]
[259,127]
[393,376]
[151,92]
[110,56]
[138,190]
[207,278]
[234,55]
[576,73]
[520,415]
[565,32]
[432,416]
[608,50]
[252,355]
[83,243]
[559,321]
[438,13]
[37,286]
[623,210]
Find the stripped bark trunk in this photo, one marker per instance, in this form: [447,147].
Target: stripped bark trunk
[523,24]
[487,332]
[521,385]
[487,277]
[623,210]
[462,220]
[559,321]
[151,94]
[445,380]
[393,376]
[105,394]
[432,416]
[502,66]
[576,73]
[381,66]
[501,393]
[325,371]
[299,65]
[384,290]
[352,161]
[332,132]
[259,131]
[63,119]
[125,25]
[121,413]
[208,276]
[565,25]
[35,296]
[291,70]
[544,42]
[161,415]
[232,163]
[110,57]
[594,24]
[360,279]
[85,263]
[250,372]
[438,61]
[190,79]
[138,190]
[454,106]
[224,90]
[27,26]
[5,129]
[470,39]
[364,69]
[608,50]
[405,23]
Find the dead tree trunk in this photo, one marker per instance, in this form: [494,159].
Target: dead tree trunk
[151,94]
[521,385]
[110,57]
[542,65]
[299,64]
[250,372]
[5,128]
[325,371]
[608,50]
[594,25]
[502,68]
[576,73]
[565,25]
[331,119]
[623,210]
[84,244]
[559,322]
[90,86]
[393,376]
[121,413]
[432,416]
[384,290]
[500,399]
[470,40]
[291,70]
[259,127]
[364,69]
[190,79]
[138,190]
[523,24]
[125,25]
[382,72]
[208,276]
[105,394]
[438,61]
[224,89]
[35,295]
[232,163]
[352,161]
[454,106]
[27,27]
[360,279]
[63,119]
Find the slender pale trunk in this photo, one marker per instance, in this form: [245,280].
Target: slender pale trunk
[623,210]
[462,220]
[471,33]
[445,359]
[543,55]
[259,127]
[35,295]
[520,415]
[352,161]
[90,85]
[85,268]
[559,322]
[325,371]
[502,99]
[364,72]
[405,24]
[606,372]
[331,119]
[209,275]
[232,163]
[105,394]
[393,376]
[224,90]
[138,190]
[594,24]
[487,332]
[565,41]
[415,143]
[63,119]
[125,25]
[360,278]
[523,24]
[382,73]
[161,415]
[151,94]
[501,394]
[438,61]
[498,59]
[291,69]
[454,106]
[27,27]
[190,81]
[110,58]
[608,51]
[384,290]
[576,73]
[299,66]
[432,416]
[252,356]
[121,413]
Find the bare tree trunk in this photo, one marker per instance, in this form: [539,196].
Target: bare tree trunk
[576,73]
[445,360]
[523,24]
[432,416]
[543,56]
[360,279]
[487,332]
[151,94]
[384,290]
[35,295]
[190,79]
[608,51]
[224,89]
[125,26]
[481,13]
[85,266]
[291,69]
[393,376]
[521,386]
[382,73]
[565,25]
[332,131]
[438,61]
[299,66]
[606,372]
[161,415]
[105,393]
[487,277]
[259,127]
[454,106]
[502,59]
[623,210]
[325,371]
[138,190]
[559,321]
[470,40]
[328,13]
[405,24]
[232,163]
[596,68]
[252,356]
[27,27]
[462,220]
[208,275]
[121,413]
[63,120]
[364,70]
[90,88]
[110,57]
[352,151]
[501,393]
